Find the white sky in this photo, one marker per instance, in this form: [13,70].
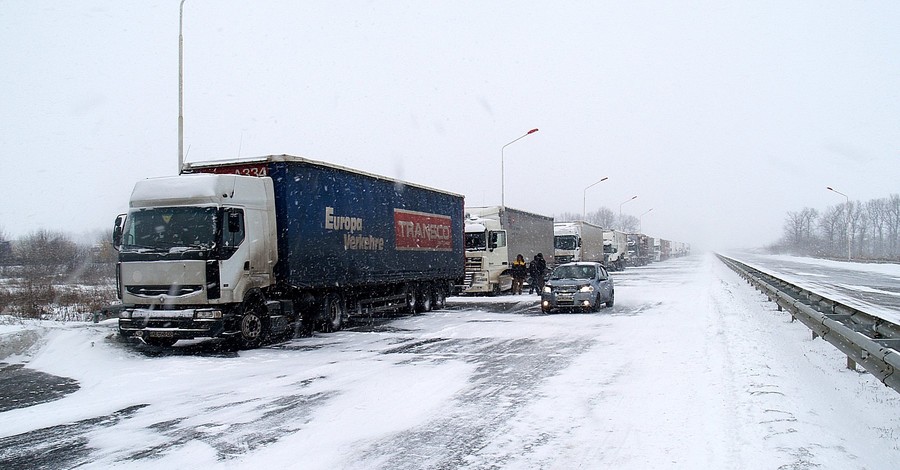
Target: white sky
[721,116]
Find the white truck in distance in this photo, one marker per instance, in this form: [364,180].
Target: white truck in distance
[494,236]
[577,241]
[615,249]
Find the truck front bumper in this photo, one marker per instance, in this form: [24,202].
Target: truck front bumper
[477,283]
[176,324]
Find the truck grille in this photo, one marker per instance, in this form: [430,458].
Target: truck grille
[563,259]
[163,290]
[473,265]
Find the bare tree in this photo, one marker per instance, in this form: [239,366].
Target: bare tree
[892,220]
[830,223]
[628,223]
[567,217]
[603,217]
[43,256]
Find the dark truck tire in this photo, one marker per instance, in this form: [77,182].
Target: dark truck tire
[253,325]
[334,310]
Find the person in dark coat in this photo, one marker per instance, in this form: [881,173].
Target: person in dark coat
[537,270]
[519,272]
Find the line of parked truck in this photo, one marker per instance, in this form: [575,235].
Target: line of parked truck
[251,249]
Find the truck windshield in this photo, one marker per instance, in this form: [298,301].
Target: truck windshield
[476,241]
[565,242]
[165,228]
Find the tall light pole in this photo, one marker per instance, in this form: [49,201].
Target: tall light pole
[502,176]
[848,217]
[180,87]
[584,198]
[641,221]
[622,204]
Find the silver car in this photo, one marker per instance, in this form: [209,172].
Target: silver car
[583,286]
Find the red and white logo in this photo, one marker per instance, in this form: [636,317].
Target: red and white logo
[421,231]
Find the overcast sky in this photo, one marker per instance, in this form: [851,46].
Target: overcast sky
[720,116]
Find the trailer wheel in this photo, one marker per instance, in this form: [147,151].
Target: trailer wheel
[412,298]
[425,300]
[253,326]
[333,312]
[440,299]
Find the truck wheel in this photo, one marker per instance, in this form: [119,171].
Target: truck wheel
[495,290]
[333,313]
[253,326]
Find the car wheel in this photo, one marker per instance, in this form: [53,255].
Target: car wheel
[612,299]
[597,304]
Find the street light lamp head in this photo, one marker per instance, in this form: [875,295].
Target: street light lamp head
[532,131]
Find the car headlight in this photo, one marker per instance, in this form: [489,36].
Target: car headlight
[548,289]
[587,288]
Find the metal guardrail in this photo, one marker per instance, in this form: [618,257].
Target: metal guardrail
[867,340]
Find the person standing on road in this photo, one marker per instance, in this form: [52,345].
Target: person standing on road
[537,270]
[519,272]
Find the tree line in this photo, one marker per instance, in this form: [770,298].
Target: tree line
[872,230]
[48,271]
[604,217]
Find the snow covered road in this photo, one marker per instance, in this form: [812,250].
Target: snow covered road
[692,368]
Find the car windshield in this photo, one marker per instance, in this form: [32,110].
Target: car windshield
[574,272]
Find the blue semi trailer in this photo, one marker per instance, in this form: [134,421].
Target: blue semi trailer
[259,248]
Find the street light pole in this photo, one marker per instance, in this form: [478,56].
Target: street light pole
[502,176]
[641,221]
[584,198]
[620,209]
[848,217]
[180,87]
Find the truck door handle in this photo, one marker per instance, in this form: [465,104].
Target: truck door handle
[246,265]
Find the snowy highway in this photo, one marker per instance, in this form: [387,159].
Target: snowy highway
[692,368]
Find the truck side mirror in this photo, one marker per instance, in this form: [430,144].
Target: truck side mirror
[117,231]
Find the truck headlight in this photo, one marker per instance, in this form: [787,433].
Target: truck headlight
[587,288]
[126,314]
[210,314]
[548,289]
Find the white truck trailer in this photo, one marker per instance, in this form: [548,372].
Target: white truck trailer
[494,236]
[577,241]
